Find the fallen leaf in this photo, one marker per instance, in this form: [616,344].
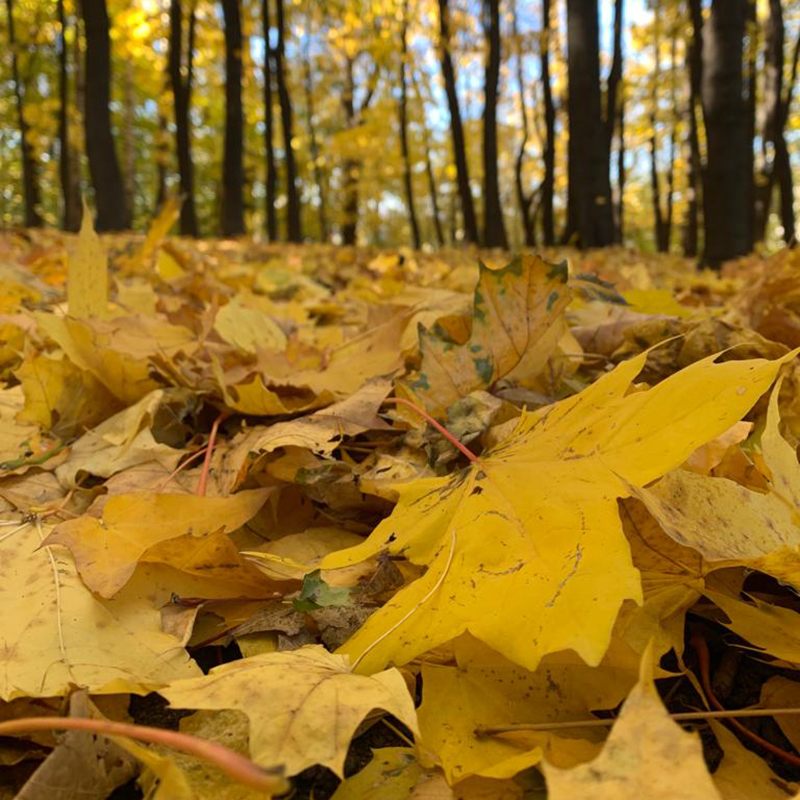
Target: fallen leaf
[315,704]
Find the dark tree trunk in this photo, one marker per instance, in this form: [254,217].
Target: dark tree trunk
[621,176]
[694,56]
[494,232]
[408,183]
[294,231]
[774,124]
[613,108]
[162,159]
[112,213]
[319,176]
[727,210]
[456,128]
[181,91]
[524,198]
[673,67]
[752,34]
[549,155]
[271,179]
[70,191]
[30,180]
[589,213]
[232,221]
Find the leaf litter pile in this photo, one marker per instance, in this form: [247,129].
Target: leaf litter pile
[334,522]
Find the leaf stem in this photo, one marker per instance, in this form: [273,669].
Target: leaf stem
[235,766]
[212,439]
[439,427]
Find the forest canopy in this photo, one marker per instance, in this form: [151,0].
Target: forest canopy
[663,124]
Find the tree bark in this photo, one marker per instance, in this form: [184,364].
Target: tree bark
[727,210]
[433,191]
[319,176]
[752,34]
[694,56]
[30,178]
[613,108]
[524,198]
[181,89]
[128,140]
[549,154]
[456,128]
[655,188]
[408,182]
[621,175]
[232,216]
[589,212]
[494,232]
[773,139]
[112,213]
[293,226]
[70,191]
[271,178]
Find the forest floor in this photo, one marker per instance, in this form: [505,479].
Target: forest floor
[420,521]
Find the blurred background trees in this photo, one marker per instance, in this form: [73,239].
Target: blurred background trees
[661,124]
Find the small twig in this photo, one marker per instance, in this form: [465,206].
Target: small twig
[212,438]
[701,648]
[681,716]
[422,602]
[182,466]
[439,427]
[16,463]
[235,766]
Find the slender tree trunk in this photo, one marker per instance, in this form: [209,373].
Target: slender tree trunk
[181,89]
[752,34]
[524,199]
[128,140]
[456,128]
[293,225]
[162,159]
[271,179]
[672,141]
[589,205]
[351,166]
[727,210]
[613,104]
[70,191]
[655,187]
[621,176]
[232,222]
[773,137]
[433,191]
[112,213]
[30,179]
[494,231]
[549,154]
[694,56]
[319,176]
[408,183]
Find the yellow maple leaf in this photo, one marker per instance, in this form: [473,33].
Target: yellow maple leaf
[528,538]
[304,705]
[87,273]
[56,634]
[646,755]
[106,551]
[517,322]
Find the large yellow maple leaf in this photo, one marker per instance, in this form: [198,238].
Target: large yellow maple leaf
[525,548]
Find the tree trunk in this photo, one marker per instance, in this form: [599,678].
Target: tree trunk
[112,213]
[232,216]
[319,176]
[549,154]
[621,176]
[672,140]
[70,191]
[655,188]
[694,56]
[524,199]
[433,191]
[613,105]
[408,183]
[181,89]
[494,232]
[752,34]
[773,137]
[162,159]
[589,210]
[727,211]
[456,128]
[30,180]
[128,140]
[271,178]
[293,226]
